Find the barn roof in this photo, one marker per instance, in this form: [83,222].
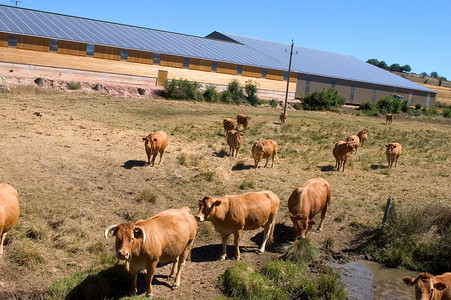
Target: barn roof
[217,46]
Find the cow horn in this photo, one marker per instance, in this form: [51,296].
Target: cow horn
[109,229]
[144,233]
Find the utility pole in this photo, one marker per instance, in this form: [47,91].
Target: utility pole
[288,83]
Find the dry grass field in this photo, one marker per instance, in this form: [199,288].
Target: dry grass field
[443,93]
[80,167]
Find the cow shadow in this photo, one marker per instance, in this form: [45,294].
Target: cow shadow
[221,154]
[328,168]
[283,235]
[241,166]
[376,167]
[129,164]
[112,283]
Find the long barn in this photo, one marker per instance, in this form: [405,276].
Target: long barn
[36,38]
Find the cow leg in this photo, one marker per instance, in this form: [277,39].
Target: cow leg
[153,158]
[1,242]
[134,290]
[225,239]
[148,157]
[181,264]
[267,233]
[174,267]
[161,156]
[344,163]
[267,161]
[323,215]
[149,276]
[236,240]
[396,160]
[256,163]
[236,152]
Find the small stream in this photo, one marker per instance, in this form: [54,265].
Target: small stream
[367,280]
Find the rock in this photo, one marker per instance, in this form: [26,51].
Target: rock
[97,87]
[4,89]
[141,91]
[39,81]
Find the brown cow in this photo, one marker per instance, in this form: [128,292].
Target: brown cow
[388,119]
[234,140]
[167,236]
[307,201]
[363,136]
[264,149]
[155,143]
[393,152]
[229,124]
[342,151]
[429,287]
[232,214]
[243,120]
[9,211]
[354,140]
[283,117]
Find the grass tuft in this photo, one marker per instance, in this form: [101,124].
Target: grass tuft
[301,251]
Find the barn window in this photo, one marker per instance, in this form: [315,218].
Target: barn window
[373,97]
[53,46]
[214,66]
[333,83]
[124,54]
[307,84]
[264,71]
[351,96]
[186,62]
[156,59]
[239,70]
[90,50]
[285,75]
[12,40]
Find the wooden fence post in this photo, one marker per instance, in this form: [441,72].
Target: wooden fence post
[387,209]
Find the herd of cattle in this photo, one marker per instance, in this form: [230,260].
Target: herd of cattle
[169,235]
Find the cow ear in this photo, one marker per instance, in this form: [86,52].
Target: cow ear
[137,233]
[440,286]
[155,140]
[408,280]
[387,146]
[217,203]
[144,138]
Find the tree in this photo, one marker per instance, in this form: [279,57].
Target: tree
[382,65]
[406,68]
[373,61]
[424,74]
[434,74]
[395,67]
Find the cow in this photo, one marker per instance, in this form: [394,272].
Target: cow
[232,214]
[155,143]
[283,117]
[167,236]
[229,124]
[354,140]
[342,151]
[243,120]
[234,140]
[393,152]
[9,211]
[305,202]
[264,149]
[388,119]
[429,287]
[363,136]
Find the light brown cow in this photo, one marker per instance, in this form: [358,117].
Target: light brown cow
[232,214]
[264,149]
[363,136]
[393,152]
[234,140]
[354,140]
[342,151]
[229,124]
[283,117]
[9,211]
[167,236]
[155,143]
[388,119]
[305,202]
[243,120]
[429,287]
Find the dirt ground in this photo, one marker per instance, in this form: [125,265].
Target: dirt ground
[77,173]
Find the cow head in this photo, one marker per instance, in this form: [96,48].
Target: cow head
[125,235]
[258,150]
[425,286]
[390,147]
[150,141]
[206,205]
[302,224]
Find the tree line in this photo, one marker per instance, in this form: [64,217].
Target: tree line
[397,67]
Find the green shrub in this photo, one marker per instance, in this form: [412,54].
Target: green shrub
[74,85]
[323,100]
[236,91]
[226,97]
[182,89]
[447,113]
[297,106]
[273,103]
[418,106]
[369,109]
[388,104]
[210,94]
[405,106]
[251,89]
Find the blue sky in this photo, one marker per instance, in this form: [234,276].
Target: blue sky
[413,32]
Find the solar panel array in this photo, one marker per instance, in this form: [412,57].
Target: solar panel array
[247,51]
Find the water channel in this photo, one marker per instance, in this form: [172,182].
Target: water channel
[367,280]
